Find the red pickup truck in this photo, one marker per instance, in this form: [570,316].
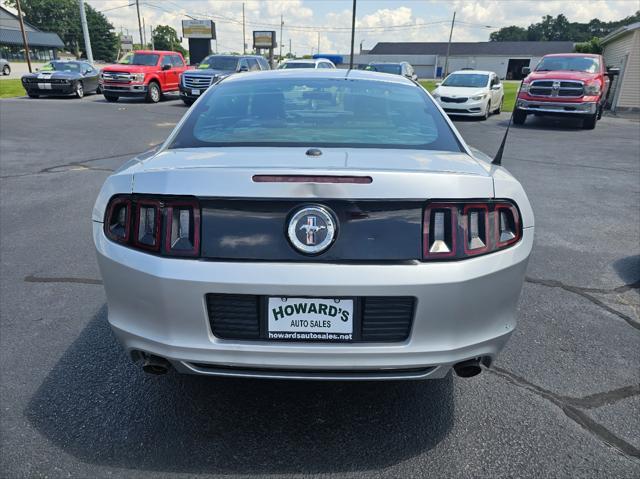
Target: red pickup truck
[145,74]
[566,84]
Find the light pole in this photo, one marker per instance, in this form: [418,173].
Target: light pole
[353,34]
[85,32]
[446,62]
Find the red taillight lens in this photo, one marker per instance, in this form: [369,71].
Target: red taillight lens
[118,219]
[182,231]
[144,222]
[459,229]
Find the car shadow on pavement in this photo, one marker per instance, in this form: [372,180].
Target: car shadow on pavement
[99,407]
[552,123]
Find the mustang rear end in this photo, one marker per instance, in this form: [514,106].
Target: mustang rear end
[330,225]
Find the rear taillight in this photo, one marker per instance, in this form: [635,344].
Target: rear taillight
[459,229]
[117,225]
[168,226]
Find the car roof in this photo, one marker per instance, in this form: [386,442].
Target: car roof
[329,74]
[594,55]
[156,51]
[386,63]
[471,72]
[229,55]
[306,60]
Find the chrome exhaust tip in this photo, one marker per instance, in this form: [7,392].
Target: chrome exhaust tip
[155,365]
[468,369]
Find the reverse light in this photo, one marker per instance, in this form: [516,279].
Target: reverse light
[459,229]
[162,225]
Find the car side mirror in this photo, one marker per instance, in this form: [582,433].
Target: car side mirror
[243,68]
[166,67]
[495,87]
[526,70]
[613,72]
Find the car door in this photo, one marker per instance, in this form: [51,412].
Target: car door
[496,90]
[168,73]
[90,74]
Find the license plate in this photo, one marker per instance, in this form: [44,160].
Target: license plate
[44,86]
[323,319]
[195,92]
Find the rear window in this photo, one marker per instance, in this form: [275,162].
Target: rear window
[316,112]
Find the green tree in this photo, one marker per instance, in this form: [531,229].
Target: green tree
[509,34]
[166,38]
[63,18]
[592,46]
[559,28]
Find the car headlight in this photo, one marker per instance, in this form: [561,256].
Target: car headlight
[524,88]
[479,97]
[592,89]
[435,94]
[139,77]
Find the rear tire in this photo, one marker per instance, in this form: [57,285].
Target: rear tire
[110,98]
[589,123]
[187,102]
[499,109]
[519,116]
[153,93]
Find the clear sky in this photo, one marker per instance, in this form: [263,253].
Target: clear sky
[377,20]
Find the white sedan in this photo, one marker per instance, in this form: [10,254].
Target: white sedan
[470,93]
[313,225]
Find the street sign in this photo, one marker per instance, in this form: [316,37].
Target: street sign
[198,29]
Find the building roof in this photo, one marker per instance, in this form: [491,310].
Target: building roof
[620,31]
[11,21]
[534,49]
[35,39]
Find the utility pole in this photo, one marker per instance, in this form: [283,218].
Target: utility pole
[318,43]
[353,33]
[144,33]
[361,42]
[289,47]
[139,24]
[244,38]
[85,32]
[153,46]
[281,39]
[446,61]
[24,36]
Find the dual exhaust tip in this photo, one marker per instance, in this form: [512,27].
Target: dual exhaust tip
[157,366]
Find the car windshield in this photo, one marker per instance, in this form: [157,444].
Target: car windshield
[143,59]
[578,64]
[60,67]
[289,65]
[219,63]
[316,112]
[385,68]
[466,80]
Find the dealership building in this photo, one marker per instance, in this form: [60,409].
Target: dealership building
[43,46]
[428,58]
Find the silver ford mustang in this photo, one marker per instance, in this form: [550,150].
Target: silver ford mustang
[313,224]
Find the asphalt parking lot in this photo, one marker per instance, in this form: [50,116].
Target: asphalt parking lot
[562,401]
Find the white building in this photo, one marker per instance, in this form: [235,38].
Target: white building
[622,50]
[428,58]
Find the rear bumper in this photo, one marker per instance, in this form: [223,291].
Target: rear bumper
[552,107]
[464,310]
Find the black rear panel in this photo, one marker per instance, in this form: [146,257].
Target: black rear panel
[367,230]
[379,318]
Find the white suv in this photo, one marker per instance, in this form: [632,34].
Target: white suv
[470,93]
[302,63]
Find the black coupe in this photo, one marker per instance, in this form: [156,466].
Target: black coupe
[62,78]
